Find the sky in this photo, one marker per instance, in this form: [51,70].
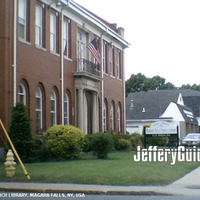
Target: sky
[164,36]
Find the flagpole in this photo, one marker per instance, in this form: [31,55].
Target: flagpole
[14,150]
[93,48]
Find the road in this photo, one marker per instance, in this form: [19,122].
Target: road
[5,195]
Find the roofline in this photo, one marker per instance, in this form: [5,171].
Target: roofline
[87,15]
[146,120]
[140,120]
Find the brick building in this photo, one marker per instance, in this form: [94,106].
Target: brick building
[45,63]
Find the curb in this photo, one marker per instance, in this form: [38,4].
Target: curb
[105,192]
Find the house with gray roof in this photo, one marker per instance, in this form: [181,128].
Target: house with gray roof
[179,106]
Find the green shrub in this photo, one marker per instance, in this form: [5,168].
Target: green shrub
[87,145]
[42,152]
[101,144]
[136,140]
[117,143]
[157,141]
[20,133]
[64,142]
[124,144]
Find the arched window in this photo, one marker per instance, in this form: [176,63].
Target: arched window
[104,116]
[66,109]
[119,118]
[39,109]
[53,108]
[22,94]
[111,117]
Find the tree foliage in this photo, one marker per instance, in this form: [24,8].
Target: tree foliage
[20,133]
[140,82]
[193,87]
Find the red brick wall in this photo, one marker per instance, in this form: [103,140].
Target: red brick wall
[40,66]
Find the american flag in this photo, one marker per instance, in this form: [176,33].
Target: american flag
[93,48]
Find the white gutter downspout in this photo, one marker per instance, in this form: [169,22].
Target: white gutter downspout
[62,62]
[15,54]
[124,92]
[62,70]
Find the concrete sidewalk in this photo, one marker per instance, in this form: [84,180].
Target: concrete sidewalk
[187,185]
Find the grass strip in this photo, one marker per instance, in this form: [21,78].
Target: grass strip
[118,169]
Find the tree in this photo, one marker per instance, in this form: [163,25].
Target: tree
[140,82]
[20,133]
[193,87]
[136,83]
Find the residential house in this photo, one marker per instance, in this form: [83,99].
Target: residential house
[180,106]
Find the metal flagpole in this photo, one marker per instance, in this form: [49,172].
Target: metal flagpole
[14,150]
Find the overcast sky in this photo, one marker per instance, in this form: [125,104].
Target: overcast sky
[164,36]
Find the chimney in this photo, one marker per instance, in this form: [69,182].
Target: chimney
[131,106]
[120,31]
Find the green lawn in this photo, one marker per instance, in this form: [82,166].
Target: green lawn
[118,169]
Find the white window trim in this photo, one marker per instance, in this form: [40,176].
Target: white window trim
[54,112]
[66,109]
[40,110]
[23,93]
[104,57]
[118,64]
[112,117]
[38,25]
[66,38]
[111,61]
[22,21]
[119,118]
[53,28]
[104,117]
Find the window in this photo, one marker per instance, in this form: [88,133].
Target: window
[38,25]
[111,60]
[119,118]
[22,94]
[118,68]
[66,38]
[81,37]
[38,109]
[53,108]
[66,109]
[22,19]
[104,117]
[53,29]
[81,46]
[112,117]
[104,58]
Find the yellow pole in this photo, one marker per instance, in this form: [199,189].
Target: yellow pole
[14,150]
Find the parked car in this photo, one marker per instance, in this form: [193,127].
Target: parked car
[191,139]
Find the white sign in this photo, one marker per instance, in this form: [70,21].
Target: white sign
[162,127]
